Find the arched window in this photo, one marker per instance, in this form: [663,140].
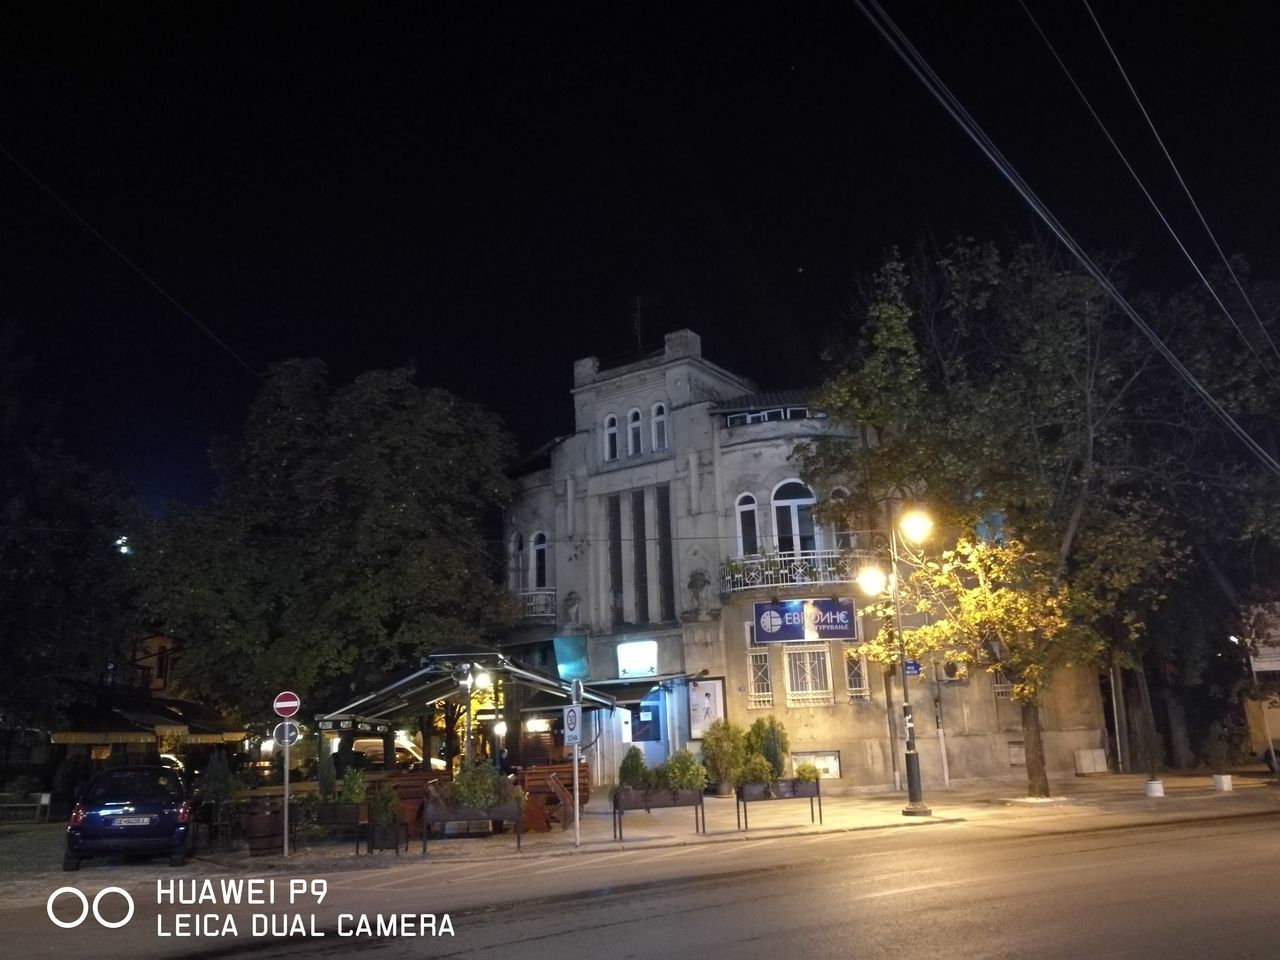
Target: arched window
[611,437]
[793,517]
[659,427]
[633,433]
[748,538]
[539,567]
[517,561]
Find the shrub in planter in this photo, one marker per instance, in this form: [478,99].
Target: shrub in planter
[632,772]
[683,772]
[479,787]
[724,748]
[756,769]
[768,737]
[354,789]
[806,772]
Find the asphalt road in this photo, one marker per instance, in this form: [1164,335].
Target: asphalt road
[1203,889]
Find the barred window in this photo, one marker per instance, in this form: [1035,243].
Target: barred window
[1001,685]
[855,674]
[759,676]
[809,675]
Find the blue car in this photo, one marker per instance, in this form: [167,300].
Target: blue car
[130,810]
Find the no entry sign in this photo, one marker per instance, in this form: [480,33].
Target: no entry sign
[286,704]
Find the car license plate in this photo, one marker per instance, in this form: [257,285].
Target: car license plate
[132,821]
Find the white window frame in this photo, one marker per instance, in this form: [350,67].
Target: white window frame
[1001,685]
[610,438]
[658,423]
[538,554]
[634,432]
[856,662]
[759,671]
[741,507]
[794,507]
[798,665]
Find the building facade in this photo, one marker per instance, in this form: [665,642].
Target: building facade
[668,551]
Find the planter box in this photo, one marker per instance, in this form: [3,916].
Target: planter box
[433,812]
[341,814]
[387,836]
[630,798]
[785,789]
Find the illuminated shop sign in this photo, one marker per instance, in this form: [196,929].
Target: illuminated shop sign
[795,621]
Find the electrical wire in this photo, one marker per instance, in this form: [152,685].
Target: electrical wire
[915,62]
[1106,132]
[130,263]
[1178,173]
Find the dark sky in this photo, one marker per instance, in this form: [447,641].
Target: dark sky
[486,190]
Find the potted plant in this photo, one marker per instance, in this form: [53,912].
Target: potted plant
[723,751]
[755,778]
[634,778]
[806,780]
[477,792]
[386,830]
[1151,752]
[768,738]
[685,778]
[1218,754]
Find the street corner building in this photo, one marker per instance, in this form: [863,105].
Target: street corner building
[667,554]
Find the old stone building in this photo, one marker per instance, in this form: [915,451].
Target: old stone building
[646,548]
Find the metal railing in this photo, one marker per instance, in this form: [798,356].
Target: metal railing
[537,604]
[762,571]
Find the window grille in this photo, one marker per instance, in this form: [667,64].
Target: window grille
[808,675]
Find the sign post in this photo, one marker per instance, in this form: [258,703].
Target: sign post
[573,735]
[286,705]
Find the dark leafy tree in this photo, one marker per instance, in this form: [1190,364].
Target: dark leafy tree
[345,540]
[65,613]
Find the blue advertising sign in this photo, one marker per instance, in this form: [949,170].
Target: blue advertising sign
[795,621]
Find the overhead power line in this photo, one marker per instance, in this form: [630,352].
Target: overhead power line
[1106,132]
[129,262]
[906,51]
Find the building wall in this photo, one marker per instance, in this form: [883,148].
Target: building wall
[706,466]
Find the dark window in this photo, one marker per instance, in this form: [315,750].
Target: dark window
[666,561]
[614,518]
[639,557]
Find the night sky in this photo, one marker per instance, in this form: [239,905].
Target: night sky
[484,191]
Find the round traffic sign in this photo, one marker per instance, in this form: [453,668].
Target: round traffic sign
[286,732]
[286,703]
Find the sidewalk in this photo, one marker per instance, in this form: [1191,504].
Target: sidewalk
[1077,804]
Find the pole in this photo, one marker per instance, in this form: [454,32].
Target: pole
[286,788]
[915,794]
[937,719]
[577,826]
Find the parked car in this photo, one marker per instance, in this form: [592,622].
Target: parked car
[130,810]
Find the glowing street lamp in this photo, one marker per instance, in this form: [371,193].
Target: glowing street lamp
[915,526]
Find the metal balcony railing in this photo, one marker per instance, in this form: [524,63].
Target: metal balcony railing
[762,571]
[537,604]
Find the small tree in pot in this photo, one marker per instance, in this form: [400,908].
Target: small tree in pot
[724,749]
[386,830]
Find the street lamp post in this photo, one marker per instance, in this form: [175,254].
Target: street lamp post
[915,526]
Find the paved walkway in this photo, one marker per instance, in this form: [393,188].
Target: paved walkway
[1078,804]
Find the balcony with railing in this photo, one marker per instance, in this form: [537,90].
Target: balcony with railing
[797,569]
[537,604]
